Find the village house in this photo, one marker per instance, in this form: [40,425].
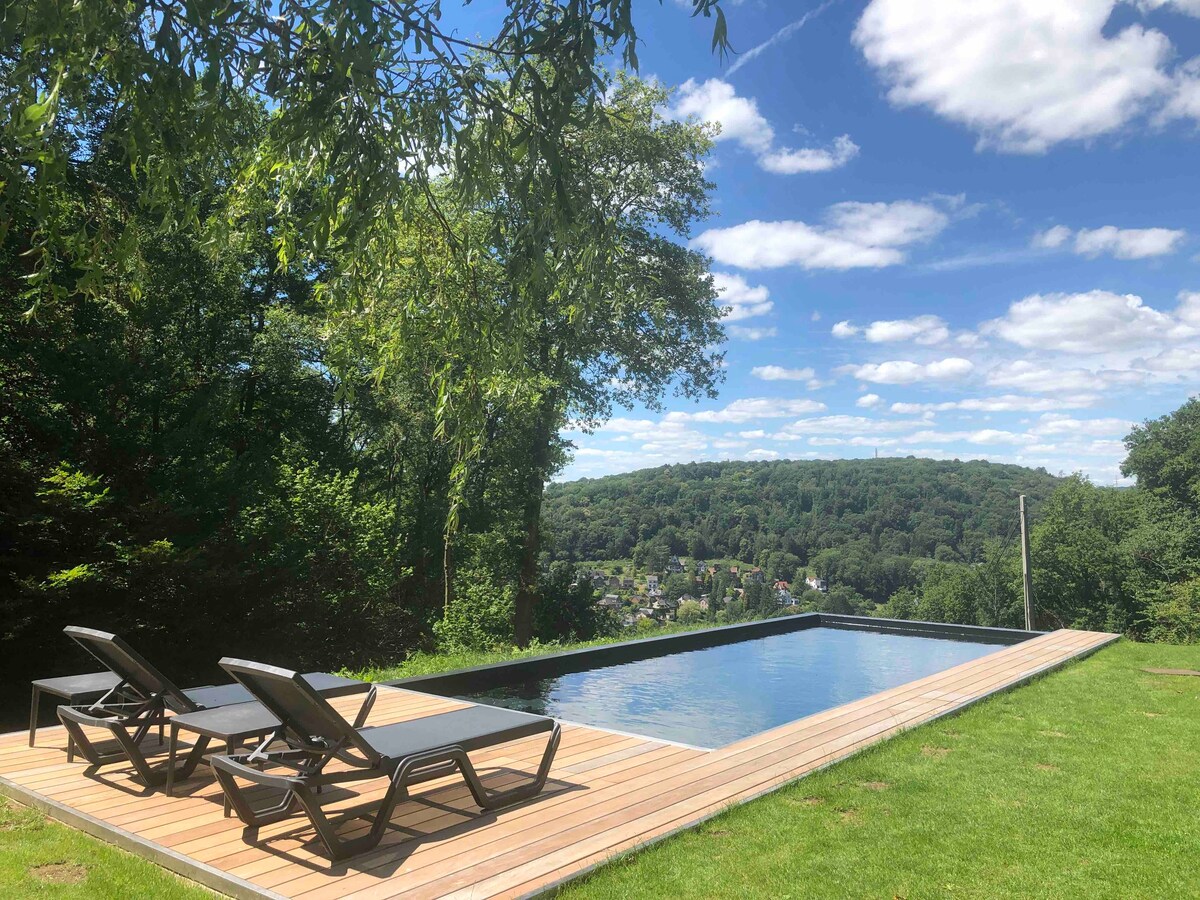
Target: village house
[816,584]
[700,567]
[652,582]
[627,583]
[610,601]
[755,576]
[674,566]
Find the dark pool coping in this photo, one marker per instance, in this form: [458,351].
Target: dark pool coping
[476,678]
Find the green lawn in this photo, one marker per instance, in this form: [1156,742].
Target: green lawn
[41,858]
[1083,784]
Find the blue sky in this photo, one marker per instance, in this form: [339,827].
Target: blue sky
[945,229]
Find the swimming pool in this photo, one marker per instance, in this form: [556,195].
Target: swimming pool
[710,696]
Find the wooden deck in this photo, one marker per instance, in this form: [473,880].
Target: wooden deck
[608,793]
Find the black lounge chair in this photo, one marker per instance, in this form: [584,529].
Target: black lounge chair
[407,753]
[153,695]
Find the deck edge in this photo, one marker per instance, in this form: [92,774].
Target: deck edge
[553,887]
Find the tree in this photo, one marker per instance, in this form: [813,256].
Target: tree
[1164,454]
[645,322]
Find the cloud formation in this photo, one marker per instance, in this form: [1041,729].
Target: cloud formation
[853,235]
[717,102]
[740,299]
[1079,78]
[907,372]
[924,330]
[1108,240]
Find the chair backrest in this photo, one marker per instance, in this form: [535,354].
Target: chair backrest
[129,665]
[305,714]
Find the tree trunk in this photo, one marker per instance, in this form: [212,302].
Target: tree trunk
[542,433]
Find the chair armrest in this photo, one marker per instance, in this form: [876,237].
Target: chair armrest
[361,719]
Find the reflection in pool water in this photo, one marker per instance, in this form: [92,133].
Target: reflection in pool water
[717,695]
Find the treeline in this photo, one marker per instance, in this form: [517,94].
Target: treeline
[868,526]
[1122,560]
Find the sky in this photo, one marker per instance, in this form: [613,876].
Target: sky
[941,229]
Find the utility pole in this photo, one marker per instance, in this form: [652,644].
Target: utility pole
[1026,568]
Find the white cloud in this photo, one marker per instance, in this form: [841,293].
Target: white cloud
[779,373]
[1003,403]
[868,401]
[717,102]
[1122,243]
[1024,75]
[1093,322]
[917,330]
[747,333]
[844,425]
[740,299]
[1052,238]
[1048,378]
[763,454]
[783,161]
[907,372]
[855,235]
[844,329]
[749,409]
[1056,424]
[1128,243]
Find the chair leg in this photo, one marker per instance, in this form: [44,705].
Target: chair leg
[413,771]
[130,751]
[33,713]
[235,797]
[490,800]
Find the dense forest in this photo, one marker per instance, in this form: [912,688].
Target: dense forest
[864,524]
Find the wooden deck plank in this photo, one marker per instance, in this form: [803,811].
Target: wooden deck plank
[608,793]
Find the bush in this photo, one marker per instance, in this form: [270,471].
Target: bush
[1175,613]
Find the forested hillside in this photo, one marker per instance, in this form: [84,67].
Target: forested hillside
[860,523]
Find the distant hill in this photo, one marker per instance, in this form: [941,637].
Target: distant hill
[863,523]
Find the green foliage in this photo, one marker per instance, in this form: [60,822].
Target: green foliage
[860,523]
[1164,454]
[690,613]
[1173,612]
[479,616]
[1124,560]
[566,608]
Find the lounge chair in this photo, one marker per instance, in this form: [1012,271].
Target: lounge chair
[407,753]
[130,721]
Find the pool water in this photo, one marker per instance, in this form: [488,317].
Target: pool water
[718,695]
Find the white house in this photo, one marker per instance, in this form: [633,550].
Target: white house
[817,584]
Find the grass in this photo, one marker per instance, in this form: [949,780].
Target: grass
[40,858]
[1082,784]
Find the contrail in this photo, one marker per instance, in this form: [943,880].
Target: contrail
[781,35]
